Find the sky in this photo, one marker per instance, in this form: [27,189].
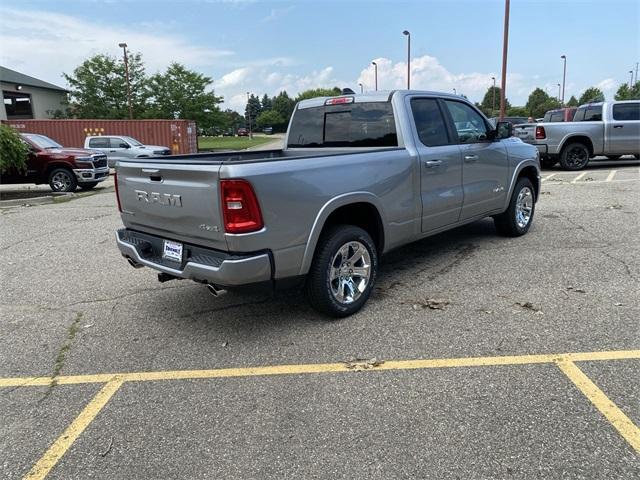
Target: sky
[268,46]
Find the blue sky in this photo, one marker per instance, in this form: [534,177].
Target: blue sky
[262,46]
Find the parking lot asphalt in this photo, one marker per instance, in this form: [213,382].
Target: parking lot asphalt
[457,367]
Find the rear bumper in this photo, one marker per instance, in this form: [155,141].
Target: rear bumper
[200,264]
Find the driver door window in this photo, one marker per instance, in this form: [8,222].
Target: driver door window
[469,125]
[117,143]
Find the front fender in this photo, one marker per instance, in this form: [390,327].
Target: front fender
[327,209]
[516,172]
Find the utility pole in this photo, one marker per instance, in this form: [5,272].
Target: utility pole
[454,92]
[406,32]
[249,115]
[631,80]
[636,72]
[375,67]
[564,77]
[126,72]
[493,97]
[558,92]
[505,47]
[361,88]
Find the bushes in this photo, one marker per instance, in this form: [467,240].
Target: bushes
[13,151]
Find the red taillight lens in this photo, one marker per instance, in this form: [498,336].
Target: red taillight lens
[540,133]
[115,181]
[240,207]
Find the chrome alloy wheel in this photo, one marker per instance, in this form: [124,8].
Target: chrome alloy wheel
[61,182]
[524,207]
[350,272]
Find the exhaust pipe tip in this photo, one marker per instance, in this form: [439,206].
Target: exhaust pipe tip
[215,290]
[133,263]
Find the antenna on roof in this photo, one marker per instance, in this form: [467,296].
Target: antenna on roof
[348,91]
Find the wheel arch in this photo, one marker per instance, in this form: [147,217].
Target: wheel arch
[577,138]
[362,209]
[529,169]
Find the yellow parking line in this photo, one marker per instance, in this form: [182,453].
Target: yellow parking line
[612,174]
[629,431]
[73,431]
[320,368]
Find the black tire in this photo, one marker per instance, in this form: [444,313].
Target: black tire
[320,286]
[574,156]
[614,157]
[62,180]
[509,223]
[547,162]
[88,185]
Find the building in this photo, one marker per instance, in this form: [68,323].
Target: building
[27,97]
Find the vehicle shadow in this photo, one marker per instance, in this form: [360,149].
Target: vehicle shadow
[598,164]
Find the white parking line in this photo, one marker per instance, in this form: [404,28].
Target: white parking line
[611,175]
[575,180]
[549,176]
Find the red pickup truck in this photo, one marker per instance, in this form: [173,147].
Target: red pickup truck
[64,169]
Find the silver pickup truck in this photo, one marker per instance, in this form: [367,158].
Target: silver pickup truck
[359,175]
[603,128]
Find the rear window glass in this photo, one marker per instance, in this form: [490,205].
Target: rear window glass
[556,117]
[354,125]
[99,143]
[588,114]
[626,111]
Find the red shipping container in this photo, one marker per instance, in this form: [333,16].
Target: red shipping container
[179,135]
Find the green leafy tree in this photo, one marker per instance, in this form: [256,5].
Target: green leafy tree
[517,112]
[252,110]
[488,102]
[284,105]
[318,92]
[98,88]
[269,118]
[626,93]
[13,151]
[573,102]
[182,93]
[232,120]
[266,103]
[591,94]
[540,102]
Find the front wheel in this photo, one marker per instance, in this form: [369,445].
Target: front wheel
[574,156]
[62,180]
[516,220]
[343,271]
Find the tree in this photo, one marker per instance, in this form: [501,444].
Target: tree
[573,102]
[591,94]
[232,120]
[488,102]
[539,103]
[182,93]
[284,105]
[13,151]
[252,110]
[517,112]
[318,92]
[98,87]
[626,93]
[266,103]
[269,118]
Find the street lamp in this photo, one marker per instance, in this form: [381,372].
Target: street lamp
[408,35]
[493,99]
[631,79]
[123,46]
[375,67]
[361,88]
[249,115]
[505,48]
[564,77]
[558,92]
[454,92]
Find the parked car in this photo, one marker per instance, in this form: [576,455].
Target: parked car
[64,169]
[360,175]
[602,128]
[243,132]
[120,147]
[511,120]
[268,130]
[559,115]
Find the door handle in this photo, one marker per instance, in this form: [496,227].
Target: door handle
[112,151]
[150,170]
[618,126]
[470,158]
[432,163]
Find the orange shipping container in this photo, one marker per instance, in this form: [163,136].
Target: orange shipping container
[179,135]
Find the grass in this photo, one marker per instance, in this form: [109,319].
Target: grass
[231,143]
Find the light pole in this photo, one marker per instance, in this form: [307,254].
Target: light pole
[505,47]
[408,35]
[361,88]
[375,68]
[493,98]
[636,72]
[249,115]
[564,77]
[126,72]
[631,79]
[558,92]
[454,92]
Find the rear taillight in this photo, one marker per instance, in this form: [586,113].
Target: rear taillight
[240,208]
[540,133]
[115,182]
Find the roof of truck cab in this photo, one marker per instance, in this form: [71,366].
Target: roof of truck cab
[376,96]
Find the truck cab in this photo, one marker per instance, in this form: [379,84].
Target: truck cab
[121,147]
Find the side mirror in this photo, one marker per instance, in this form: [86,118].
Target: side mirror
[124,145]
[504,130]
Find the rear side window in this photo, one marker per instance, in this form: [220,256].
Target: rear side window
[99,143]
[556,117]
[591,113]
[354,125]
[429,122]
[626,111]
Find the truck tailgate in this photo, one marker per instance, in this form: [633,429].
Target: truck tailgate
[525,132]
[175,201]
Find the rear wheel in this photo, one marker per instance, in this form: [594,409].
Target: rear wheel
[62,180]
[343,271]
[574,156]
[516,220]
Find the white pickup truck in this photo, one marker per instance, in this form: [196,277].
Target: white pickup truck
[603,128]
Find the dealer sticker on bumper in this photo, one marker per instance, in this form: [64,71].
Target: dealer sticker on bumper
[172,251]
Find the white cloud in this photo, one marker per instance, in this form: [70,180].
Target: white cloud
[277,13]
[233,78]
[45,44]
